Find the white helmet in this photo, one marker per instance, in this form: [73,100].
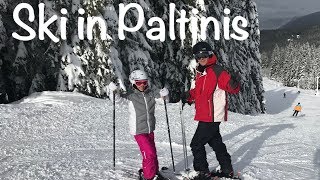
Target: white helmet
[137,75]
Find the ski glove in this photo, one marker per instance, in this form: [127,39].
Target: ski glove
[184,98]
[112,87]
[164,92]
[235,80]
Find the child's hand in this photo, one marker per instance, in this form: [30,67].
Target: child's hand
[164,92]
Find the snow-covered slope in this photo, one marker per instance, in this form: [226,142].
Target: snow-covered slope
[59,135]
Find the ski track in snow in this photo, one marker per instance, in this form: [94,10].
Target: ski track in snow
[60,135]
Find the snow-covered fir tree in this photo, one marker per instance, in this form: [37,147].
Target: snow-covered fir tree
[18,70]
[20,67]
[88,66]
[315,64]
[302,67]
[242,57]
[171,58]
[94,54]
[3,39]
[42,64]
[3,36]
[174,56]
[134,52]
[288,65]
[165,62]
[277,58]
[70,64]
[296,64]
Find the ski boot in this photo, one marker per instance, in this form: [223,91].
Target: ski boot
[158,176]
[203,175]
[222,174]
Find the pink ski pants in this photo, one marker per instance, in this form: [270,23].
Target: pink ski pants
[149,154]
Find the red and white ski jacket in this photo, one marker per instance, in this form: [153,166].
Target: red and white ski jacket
[210,93]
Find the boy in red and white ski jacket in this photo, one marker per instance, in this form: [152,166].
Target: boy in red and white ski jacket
[210,97]
[210,92]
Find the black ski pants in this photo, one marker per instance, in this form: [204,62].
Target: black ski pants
[209,132]
[295,113]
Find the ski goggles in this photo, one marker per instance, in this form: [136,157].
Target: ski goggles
[202,54]
[141,82]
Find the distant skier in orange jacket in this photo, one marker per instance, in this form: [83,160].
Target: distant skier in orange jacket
[297,109]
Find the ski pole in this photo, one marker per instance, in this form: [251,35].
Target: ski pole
[114,130]
[184,142]
[165,107]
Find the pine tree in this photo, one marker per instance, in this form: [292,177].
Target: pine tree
[3,36]
[175,55]
[135,51]
[316,64]
[94,54]
[88,66]
[172,57]
[290,53]
[42,63]
[298,65]
[265,61]
[241,57]
[70,67]
[17,60]
[20,66]
[276,62]
[27,66]
[3,39]
[303,67]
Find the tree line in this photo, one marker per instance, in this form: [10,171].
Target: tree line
[87,66]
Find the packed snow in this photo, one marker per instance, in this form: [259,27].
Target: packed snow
[62,135]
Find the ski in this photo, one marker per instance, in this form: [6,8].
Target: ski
[217,175]
[132,175]
[160,175]
[193,175]
[170,174]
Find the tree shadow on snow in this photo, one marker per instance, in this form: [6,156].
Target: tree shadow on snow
[180,165]
[242,130]
[276,103]
[248,151]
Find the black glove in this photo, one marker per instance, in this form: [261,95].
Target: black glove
[184,98]
[235,80]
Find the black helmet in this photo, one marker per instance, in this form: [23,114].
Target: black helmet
[201,47]
[202,50]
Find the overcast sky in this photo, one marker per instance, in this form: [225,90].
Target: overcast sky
[273,13]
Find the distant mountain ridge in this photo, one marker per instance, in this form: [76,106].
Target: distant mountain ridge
[301,29]
[269,38]
[303,22]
